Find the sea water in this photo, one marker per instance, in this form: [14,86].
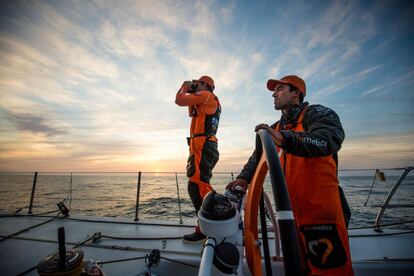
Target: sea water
[115,194]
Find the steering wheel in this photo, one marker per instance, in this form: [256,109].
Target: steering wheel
[269,161]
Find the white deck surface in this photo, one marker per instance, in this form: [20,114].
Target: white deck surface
[375,255]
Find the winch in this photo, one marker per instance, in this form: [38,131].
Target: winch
[64,262]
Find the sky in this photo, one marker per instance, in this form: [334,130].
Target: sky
[90,85]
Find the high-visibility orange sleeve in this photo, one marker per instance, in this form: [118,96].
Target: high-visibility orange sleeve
[200,97]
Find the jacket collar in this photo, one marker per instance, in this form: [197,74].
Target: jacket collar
[290,116]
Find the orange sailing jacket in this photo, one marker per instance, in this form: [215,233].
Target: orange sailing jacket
[204,110]
[313,189]
[312,136]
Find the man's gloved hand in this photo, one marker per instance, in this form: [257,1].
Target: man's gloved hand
[262,126]
[185,86]
[276,135]
[240,182]
[183,89]
[187,83]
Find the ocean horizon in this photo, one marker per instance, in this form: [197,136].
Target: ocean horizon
[113,194]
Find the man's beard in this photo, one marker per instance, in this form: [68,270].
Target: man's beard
[279,106]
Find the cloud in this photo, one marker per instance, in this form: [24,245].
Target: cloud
[33,123]
[95,81]
[389,83]
[341,23]
[144,41]
[165,13]
[341,83]
[326,45]
[317,65]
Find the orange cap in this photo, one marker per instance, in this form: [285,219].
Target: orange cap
[290,79]
[207,80]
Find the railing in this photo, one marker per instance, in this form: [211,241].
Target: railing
[183,203]
[390,195]
[139,176]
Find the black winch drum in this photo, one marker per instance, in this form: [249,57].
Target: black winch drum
[50,265]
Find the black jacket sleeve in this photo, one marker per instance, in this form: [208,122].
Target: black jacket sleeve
[322,136]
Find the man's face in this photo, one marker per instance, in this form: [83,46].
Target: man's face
[283,97]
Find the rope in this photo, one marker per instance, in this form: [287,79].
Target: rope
[120,260]
[134,223]
[27,271]
[101,246]
[85,241]
[34,267]
[141,258]
[20,209]
[178,262]
[28,228]
[142,238]
[45,213]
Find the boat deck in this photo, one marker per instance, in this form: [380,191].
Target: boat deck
[372,252]
[130,240]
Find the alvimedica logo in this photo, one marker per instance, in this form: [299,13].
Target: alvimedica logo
[316,141]
[327,251]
